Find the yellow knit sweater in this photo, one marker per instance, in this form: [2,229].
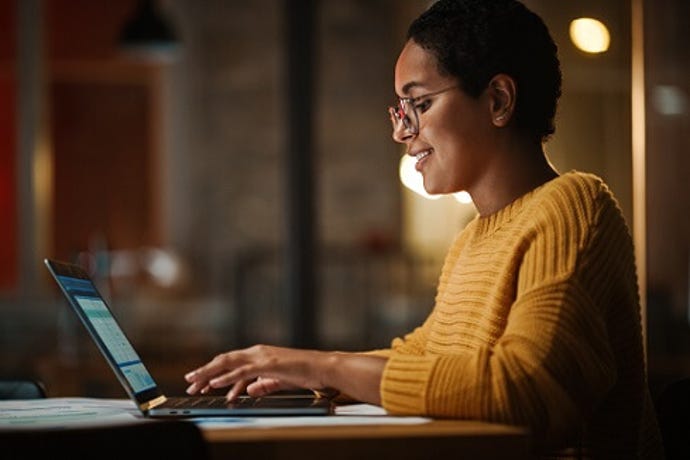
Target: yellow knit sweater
[536,323]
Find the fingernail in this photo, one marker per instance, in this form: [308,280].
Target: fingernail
[189,375]
[190,389]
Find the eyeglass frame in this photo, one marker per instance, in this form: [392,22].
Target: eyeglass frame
[398,113]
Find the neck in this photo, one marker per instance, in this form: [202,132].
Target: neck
[511,176]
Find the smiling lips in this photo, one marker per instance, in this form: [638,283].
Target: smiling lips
[420,156]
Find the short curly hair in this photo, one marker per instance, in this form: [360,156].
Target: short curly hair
[474,40]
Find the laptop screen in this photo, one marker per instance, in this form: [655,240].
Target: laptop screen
[84,293]
[104,329]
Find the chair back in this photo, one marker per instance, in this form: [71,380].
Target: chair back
[21,389]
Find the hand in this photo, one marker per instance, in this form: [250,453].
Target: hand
[260,370]
[264,369]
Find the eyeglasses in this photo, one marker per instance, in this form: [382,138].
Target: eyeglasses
[405,111]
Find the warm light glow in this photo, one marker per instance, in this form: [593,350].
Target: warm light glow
[639,158]
[590,35]
[463,197]
[412,179]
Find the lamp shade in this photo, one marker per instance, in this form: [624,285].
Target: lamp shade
[148,33]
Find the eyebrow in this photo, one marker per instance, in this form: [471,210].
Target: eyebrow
[408,86]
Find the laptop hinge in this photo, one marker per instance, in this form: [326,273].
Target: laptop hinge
[153,403]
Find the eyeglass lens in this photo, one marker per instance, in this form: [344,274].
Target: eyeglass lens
[404,111]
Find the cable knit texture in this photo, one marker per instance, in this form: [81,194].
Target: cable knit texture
[537,323]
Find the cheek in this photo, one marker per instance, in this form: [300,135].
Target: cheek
[463,131]
[459,145]
[450,137]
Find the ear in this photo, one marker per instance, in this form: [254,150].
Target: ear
[502,96]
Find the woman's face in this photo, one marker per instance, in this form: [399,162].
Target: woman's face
[454,128]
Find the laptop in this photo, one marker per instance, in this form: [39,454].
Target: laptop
[138,383]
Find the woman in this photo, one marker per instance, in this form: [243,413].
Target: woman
[537,316]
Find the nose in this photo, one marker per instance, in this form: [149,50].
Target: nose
[401,133]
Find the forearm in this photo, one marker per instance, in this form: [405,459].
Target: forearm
[357,375]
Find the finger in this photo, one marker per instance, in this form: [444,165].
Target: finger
[200,383]
[264,386]
[190,376]
[247,373]
[192,389]
[236,390]
[201,373]
[216,366]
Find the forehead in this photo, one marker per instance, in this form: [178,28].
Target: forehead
[416,68]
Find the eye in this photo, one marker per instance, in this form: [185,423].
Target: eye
[423,105]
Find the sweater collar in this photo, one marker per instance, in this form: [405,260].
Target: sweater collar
[486,225]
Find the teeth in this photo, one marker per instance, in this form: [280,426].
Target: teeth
[421,155]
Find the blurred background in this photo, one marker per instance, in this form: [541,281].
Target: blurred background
[224,169]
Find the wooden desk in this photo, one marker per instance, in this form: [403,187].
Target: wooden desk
[66,425]
[439,439]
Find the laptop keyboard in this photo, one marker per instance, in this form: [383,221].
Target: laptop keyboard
[209,401]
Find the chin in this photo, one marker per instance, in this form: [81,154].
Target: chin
[435,191]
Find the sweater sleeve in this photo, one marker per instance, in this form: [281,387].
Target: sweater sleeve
[553,357]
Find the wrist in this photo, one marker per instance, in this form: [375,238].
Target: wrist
[327,375]
[331,369]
